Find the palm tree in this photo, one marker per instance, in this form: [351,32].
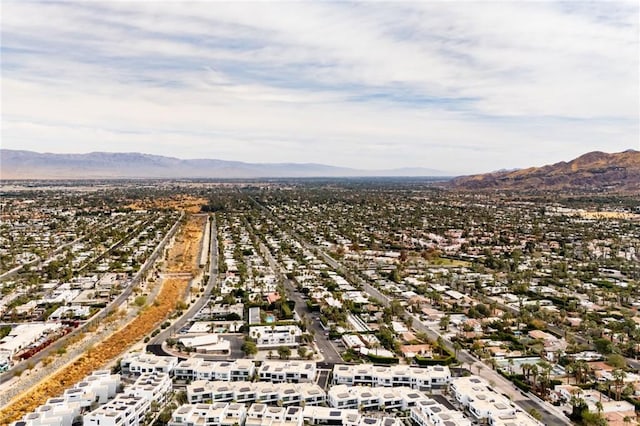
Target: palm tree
[570,369]
[576,401]
[546,377]
[441,345]
[444,322]
[534,375]
[618,380]
[581,371]
[456,348]
[599,407]
[493,363]
[526,369]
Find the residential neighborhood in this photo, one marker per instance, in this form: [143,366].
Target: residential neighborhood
[431,309]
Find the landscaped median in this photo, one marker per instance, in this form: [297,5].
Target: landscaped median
[184,252]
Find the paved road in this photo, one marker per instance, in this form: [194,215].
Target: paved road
[204,296]
[326,348]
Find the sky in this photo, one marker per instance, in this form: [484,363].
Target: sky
[463,87]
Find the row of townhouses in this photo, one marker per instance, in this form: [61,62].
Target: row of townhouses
[428,412]
[397,375]
[268,393]
[244,369]
[229,371]
[374,398]
[474,394]
[258,414]
[136,363]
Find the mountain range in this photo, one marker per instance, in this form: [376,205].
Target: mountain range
[592,171]
[16,164]
[596,170]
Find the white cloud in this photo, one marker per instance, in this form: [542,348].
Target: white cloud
[462,87]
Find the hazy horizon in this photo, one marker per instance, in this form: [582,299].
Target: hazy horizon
[460,87]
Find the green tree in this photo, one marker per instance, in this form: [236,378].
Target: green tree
[181,397]
[616,361]
[165,415]
[604,346]
[444,322]
[302,351]
[535,414]
[249,347]
[284,352]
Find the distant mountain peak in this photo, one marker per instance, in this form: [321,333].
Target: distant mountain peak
[591,171]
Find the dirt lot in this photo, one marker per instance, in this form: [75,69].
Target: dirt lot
[609,215]
[183,256]
[179,202]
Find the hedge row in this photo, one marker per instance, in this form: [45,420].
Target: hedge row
[435,361]
[382,359]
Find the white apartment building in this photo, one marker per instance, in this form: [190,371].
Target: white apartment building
[272,336]
[374,398]
[268,393]
[123,410]
[98,387]
[287,371]
[396,375]
[482,402]
[217,414]
[376,421]
[265,415]
[154,386]
[519,418]
[200,369]
[101,387]
[139,363]
[430,413]
[316,415]
[229,414]
[51,414]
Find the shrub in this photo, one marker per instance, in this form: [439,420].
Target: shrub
[382,359]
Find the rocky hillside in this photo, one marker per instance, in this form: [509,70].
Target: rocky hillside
[594,171]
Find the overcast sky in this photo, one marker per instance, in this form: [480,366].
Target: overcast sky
[462,86]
